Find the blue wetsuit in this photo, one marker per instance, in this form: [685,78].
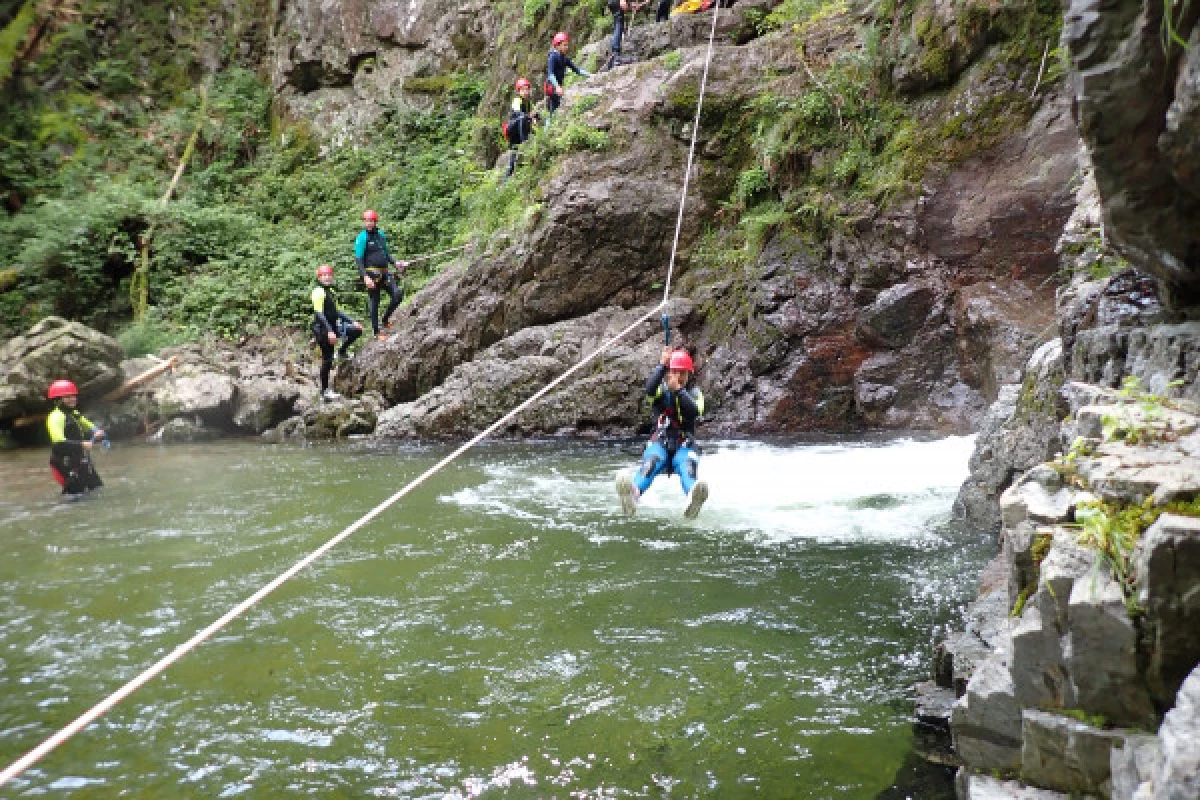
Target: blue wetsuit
[557,65]
[671,446]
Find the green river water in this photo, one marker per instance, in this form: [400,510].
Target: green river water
[502,632]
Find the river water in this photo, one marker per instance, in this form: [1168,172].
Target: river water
[502,632]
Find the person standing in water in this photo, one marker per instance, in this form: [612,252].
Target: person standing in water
[672,445]
[71,438]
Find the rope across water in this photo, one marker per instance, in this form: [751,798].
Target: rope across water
[95,712]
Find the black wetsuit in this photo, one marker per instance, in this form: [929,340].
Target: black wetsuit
[557,65]
[372,258]
[328,318]
[69,461]
[520,128]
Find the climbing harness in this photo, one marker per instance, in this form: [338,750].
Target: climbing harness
[157,668]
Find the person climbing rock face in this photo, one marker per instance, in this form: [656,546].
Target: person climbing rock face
[671,446]
[519,125]
[557,64]
[71,439]
[374,261]
[329,325]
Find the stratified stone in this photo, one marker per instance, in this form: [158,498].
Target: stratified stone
[1039,675]
[1017,546]
[1101,653]
[1178,777]
[1168,569]
[970,786]
[986,720]
[1135,760]
[1062,753]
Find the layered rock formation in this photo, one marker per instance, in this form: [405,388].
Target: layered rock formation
[910,318]
[1098,648]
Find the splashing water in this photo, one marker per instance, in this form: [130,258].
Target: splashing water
[504,632]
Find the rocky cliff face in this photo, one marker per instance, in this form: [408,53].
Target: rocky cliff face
[1136,77]
[910,316]
[1095,641]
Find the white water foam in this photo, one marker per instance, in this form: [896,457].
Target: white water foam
[894,491]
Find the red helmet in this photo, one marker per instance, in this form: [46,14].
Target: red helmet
[370,215]
[324,271]
[560,38]
[61,389]
[681,360]
[523,83]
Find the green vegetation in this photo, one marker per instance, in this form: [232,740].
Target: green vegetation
[1042,541]
[263,200]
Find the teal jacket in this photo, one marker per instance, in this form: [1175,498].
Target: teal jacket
[371,252]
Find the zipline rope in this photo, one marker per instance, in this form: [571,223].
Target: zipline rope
[431,256]
[687,172]
[95,712]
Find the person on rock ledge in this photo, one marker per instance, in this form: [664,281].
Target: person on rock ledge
[519,125]
[71,438]
[557,64]
[373,259]
[329,325]
[671,446]
[618,8]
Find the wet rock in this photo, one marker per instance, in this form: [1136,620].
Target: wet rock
[1134,761]
[1168,570]
[931,733]
[264,402]
[292,429]
[1101,654]
[1021,430]
[986,720]
[208,395]
[186,430]
[897,313]
[341,418]
[985,626]
[1039,674]
[1157,356]
[1178,777]
[502,377]
[1134,98]
[1064,754]
[971,786]
[51,350]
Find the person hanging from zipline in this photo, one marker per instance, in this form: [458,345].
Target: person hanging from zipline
[71,438]
[329,325]
[672,445]
[557,64]
[374,261]
[519,125]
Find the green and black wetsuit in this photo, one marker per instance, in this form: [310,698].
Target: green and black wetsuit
[327,318]
[70,463]
[372,257]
